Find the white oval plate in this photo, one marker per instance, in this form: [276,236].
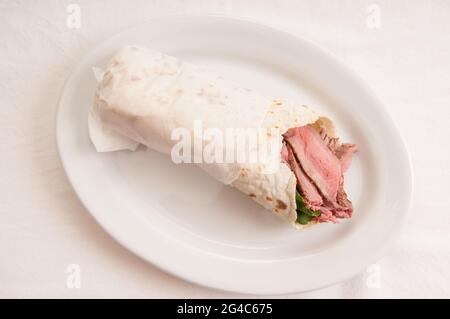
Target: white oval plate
[181,220]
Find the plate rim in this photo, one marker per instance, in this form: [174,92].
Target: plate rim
[408,181]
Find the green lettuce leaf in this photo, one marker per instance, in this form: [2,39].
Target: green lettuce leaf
[304,214]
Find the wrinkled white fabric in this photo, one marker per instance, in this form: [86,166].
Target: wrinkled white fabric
[43,226]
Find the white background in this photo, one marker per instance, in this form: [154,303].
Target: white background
[43,226]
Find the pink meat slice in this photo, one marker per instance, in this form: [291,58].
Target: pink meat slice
[307,189]
[344,153]
[284,154]
[345,207]
[317,160]
[326,215]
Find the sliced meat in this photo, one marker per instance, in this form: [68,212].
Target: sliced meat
[284,154]
[316,159]
[318,163]
[307,189]
[332,142]
[326,215]
[345,205]
[344,153]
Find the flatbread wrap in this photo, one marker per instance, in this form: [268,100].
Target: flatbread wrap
[144,96]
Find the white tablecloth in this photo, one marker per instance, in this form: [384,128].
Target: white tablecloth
[404,56]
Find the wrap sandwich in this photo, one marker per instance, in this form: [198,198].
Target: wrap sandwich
[144,96]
